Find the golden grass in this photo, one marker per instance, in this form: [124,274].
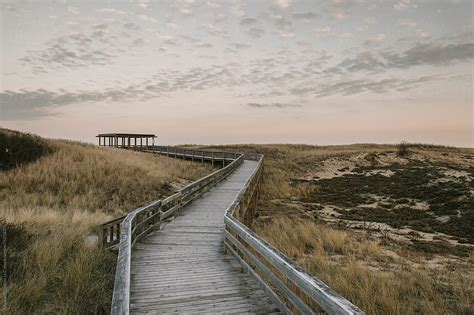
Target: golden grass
[380,276]
[283,162]
[88,178]
[59,199]
[362,271]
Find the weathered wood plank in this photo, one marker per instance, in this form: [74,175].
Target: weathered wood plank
[183,268]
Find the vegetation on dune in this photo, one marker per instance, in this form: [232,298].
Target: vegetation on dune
[18,148]
[382,264]
[50,204]
[360,269]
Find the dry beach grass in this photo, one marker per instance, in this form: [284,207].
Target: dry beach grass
[53,200]
[391,232]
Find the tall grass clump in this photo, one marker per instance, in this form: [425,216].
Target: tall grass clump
[402,149]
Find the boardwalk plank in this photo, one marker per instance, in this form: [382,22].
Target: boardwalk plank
[181,268]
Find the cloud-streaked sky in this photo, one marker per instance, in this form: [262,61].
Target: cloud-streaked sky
[235,71]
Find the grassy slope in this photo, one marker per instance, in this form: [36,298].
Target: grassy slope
[371,267]
[56,198]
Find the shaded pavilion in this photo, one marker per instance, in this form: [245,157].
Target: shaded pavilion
[126,140]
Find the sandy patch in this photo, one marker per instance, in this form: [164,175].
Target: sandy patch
[443,218]
[386,173]
[414,204]
[390,159]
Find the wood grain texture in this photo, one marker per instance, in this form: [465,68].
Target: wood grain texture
[182,268]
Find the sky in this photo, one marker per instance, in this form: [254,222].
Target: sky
[236,71]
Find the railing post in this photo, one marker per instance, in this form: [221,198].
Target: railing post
[100,236]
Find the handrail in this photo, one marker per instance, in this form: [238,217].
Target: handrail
[285,282]
[290,287]
[143,220]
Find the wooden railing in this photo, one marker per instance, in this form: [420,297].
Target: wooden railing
[291,288]
[109,232]
[139,222]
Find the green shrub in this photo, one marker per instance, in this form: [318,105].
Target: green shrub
[18,148]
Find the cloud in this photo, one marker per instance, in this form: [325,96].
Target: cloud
[113,11]
[375,40]
[146,18]
[433,53]
[185,11]
[404,5]
[305,16]
[131,26]
[283,4]
[72,50]
[337,9]
[212,29]
[213,5]
[73,10]
[408,23]
[203,45]
[323,31]
[284,26]
[139,42]
[422,34]
[248,21]
[255,32]
[240,45]
[23,104]
[357,86]
[168,40]
[273,105]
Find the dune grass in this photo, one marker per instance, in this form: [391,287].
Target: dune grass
[363,271]
[376,272]
[52,203]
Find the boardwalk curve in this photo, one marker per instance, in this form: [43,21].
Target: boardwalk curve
[183,267]
[174,254]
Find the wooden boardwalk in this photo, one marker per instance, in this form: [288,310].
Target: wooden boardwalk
[182,267]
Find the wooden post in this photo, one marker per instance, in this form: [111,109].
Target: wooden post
[147,142]
[100,235]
